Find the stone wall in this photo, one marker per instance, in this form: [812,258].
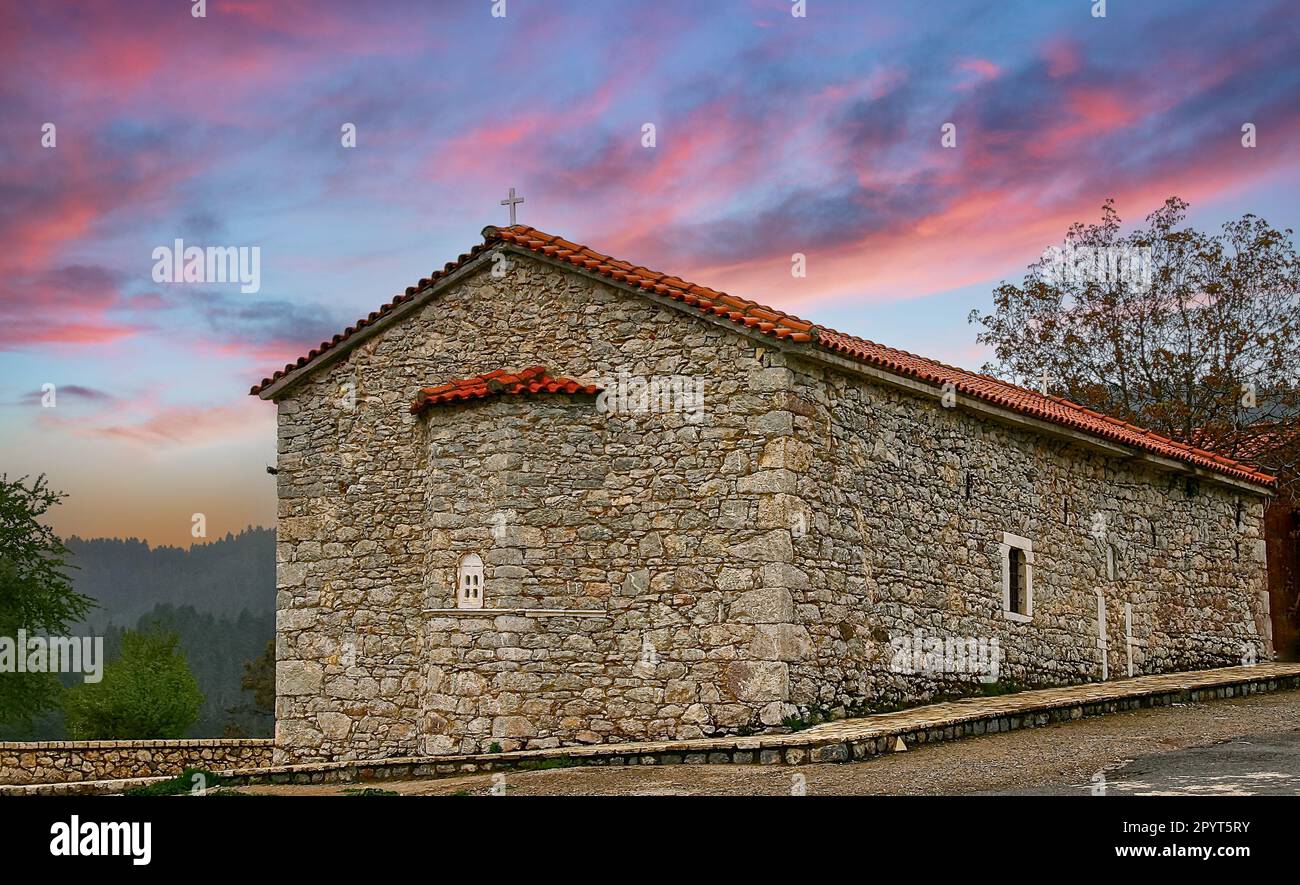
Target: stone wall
[629,520]
[651,577]
[55,762]
[906,503]
[641,517]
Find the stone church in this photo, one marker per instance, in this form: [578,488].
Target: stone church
[548,497]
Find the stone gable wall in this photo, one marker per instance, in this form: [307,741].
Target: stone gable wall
[654,518]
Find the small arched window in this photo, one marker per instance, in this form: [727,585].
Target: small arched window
[469,582]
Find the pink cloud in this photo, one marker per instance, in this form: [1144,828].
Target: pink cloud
[979,70]
[173,426]
[1088,113]
[1062,56]
[166,58]
[35,334]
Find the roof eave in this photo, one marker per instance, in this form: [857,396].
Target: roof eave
[810,350]
[1048,428]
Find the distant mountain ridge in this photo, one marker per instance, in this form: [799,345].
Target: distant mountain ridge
[127,577]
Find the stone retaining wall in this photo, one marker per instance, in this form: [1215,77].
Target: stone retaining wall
[844,741]
[840,741]
[56,762]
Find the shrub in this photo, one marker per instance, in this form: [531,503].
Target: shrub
[180,785]
[148,692]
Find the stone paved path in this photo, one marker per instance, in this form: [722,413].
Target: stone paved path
[1024,702]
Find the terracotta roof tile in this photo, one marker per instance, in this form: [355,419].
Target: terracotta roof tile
[784,326]
[1054,409]
[532,380]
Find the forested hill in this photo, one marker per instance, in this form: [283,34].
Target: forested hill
[218,598]
[127,578]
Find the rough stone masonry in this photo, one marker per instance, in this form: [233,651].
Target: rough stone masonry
[655,574]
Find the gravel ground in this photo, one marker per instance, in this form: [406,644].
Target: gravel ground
[1064,758]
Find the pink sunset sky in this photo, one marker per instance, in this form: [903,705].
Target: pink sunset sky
[775,134]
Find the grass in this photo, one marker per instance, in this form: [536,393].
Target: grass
[815,716]
[547,764]
[368,791]
[180,785]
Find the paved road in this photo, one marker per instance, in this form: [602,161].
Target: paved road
[1252,765]
[1241,745]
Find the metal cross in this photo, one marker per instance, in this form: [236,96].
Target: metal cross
[512,201]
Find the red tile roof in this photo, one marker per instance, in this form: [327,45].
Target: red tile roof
[498,383]
[1054,409]
[1266,440]
[765,319]
[784,326]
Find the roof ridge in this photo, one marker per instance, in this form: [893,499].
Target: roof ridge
[784,326]
[1133,428]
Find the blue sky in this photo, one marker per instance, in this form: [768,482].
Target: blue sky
[774,135]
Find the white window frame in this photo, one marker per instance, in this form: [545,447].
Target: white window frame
[1026,546]
[469,581]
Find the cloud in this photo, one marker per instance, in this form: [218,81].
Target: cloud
[976,71]
[147,422]
[768,143]
[859,182]
[67,306]
[775,136]
[232,317]
[65,391]
[173,426]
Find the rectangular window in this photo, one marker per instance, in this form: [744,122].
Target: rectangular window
[1017,577]
[1016,573]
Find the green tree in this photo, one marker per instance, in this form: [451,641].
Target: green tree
[1195,335]
[258,678]
[36,594]
[147,692]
